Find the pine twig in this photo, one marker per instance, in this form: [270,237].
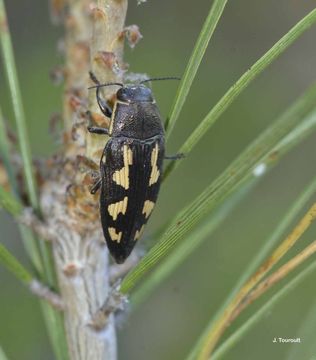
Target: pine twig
[43,292]
[13,265]
[94,41]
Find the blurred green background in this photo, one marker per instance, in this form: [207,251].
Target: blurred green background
[166,327]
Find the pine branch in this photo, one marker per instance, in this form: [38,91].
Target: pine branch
[94,41]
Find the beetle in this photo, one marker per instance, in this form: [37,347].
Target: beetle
[130,165]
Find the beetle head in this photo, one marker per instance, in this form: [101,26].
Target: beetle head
[134,93]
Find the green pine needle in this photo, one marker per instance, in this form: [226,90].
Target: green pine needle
[242,83]
[2,354]
[54,321]
[5,152]
[267,247]
[195,61]
[192,241]
[13,265]
[16,98]
[244,166]
[12,77]
[261,312]
[186,247]
[9,203]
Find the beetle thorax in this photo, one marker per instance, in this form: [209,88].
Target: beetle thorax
[137,120]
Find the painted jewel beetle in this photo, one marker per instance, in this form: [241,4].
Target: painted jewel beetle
[130,165]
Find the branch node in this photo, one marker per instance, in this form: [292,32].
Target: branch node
[97,13]
[72,269]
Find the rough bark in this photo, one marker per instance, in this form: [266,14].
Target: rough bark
[94,41]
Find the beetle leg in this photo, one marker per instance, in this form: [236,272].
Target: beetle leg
[98,130]
[175,157]
[103,105]
[98,182]
[96,186]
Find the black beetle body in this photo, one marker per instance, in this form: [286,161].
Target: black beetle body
[130,167]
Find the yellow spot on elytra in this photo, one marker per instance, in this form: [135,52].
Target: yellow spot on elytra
[114,235]
[129,155]
[117,208]
[121,177]
[148,208]
[154,176]
[138,233]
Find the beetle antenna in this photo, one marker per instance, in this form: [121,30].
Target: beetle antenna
[106,84]
[161,78]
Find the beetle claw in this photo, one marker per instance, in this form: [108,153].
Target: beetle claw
[96,186]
